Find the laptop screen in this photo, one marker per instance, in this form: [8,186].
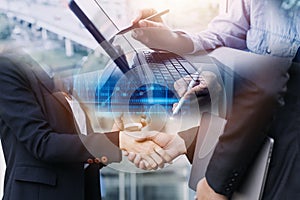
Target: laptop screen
[122,50]
[103,28]
[97,15]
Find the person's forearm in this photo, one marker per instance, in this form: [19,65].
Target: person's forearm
[227,29]
[253,107]
[183,43]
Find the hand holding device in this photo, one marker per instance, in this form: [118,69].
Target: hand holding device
[135,23]
[205,192]
[205,87]
[182,99]
[157,35]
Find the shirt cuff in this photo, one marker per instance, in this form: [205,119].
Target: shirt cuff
[190,137]
[113,137]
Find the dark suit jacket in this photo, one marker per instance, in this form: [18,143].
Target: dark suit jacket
[257,95]
[44,154]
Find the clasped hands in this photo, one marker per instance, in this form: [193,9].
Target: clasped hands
[149,150]
[152,149]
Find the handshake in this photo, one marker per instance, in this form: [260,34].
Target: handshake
[148,150]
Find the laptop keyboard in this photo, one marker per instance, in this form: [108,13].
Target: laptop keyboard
[149,86]
[167,67]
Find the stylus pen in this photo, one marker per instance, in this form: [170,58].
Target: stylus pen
[182,99]
[135,25]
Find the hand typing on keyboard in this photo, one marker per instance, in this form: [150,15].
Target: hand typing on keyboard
[157,35]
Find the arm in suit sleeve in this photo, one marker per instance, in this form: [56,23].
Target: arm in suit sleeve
[252,110]
[21,113]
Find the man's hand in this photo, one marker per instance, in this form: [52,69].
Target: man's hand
[205,192]
[206,89]
[140,150]
[134,144]
[156,35]
[144,13]
[147,149]
[169,147]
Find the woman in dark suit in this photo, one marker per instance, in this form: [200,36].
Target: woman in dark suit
[43,151]
[46,156]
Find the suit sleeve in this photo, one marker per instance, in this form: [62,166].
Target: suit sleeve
[252,111]
[22,115]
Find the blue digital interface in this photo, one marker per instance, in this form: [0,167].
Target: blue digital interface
[110,98]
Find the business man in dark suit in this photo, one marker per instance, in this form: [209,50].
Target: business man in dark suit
[46,156]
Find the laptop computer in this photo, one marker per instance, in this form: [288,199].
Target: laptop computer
[253,187]
[136,78]
[211,128]
[265,72]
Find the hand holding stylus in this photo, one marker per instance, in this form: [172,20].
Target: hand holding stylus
[204,86]
[192,83]
[135,23]
[155,34]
